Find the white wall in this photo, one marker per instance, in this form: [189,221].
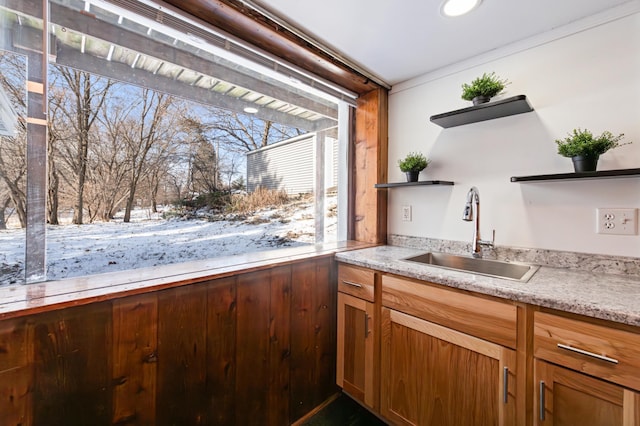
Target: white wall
[589,79]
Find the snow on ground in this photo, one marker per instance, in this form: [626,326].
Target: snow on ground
[150,240]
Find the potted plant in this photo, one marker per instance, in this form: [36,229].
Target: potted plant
[413,164]
[584,149]
[482,89]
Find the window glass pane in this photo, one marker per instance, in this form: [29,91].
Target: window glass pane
[13,143]
[166,148]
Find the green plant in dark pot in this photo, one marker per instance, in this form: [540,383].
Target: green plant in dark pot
[482,89]
[413,164]
[585,149]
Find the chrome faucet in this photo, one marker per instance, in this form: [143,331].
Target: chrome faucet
[472,213]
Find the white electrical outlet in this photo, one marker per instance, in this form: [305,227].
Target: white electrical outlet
[617,221]
[406,213]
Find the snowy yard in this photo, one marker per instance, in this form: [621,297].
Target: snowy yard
[149,240]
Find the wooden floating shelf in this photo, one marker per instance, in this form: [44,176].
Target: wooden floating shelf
[605,174]
[487,111]
[419,183]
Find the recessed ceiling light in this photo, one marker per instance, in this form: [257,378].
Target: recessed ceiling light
[458,7]
[250,110]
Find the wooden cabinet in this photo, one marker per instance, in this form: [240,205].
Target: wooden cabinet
[566,397]
[433,374]
[355,348]
[419,353]
[586,373]
[357,337]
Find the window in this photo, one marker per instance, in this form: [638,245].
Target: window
[13,165]
[170,142]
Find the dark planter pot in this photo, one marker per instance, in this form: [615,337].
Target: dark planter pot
[582,163]
[480,100]
[412,176]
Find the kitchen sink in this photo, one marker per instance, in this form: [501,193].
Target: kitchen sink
[493,268]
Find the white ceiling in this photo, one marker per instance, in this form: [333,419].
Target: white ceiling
[397,40]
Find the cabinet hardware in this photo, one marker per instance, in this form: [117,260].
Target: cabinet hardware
[542,403]
[505,385]
[366,325]
[351,283]
[587,353]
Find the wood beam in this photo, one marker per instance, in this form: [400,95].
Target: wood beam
[35,244]
[215,67]
[122,72]
[230,16]
[370,167]
[211,66]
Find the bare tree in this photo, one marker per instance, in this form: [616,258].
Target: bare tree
[13,160]
[4,204]
[109,163]
[13,172]
[57,132]
[153,133]
[204,164]
[86,95]
[229,168]
[245,132]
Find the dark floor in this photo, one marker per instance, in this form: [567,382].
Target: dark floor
[344,412]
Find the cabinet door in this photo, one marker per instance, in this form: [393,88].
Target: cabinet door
[432,375]
[355,348]
[566,397]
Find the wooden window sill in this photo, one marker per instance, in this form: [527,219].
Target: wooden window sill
[25,299]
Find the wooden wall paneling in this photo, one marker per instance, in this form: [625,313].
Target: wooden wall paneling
[370,167]
[72,371]
[303,378]
[16,357]
[313,339]
[182,356]
[221,351]
[252,343]
[135,359]
[325,330]
[256,348]
[631,407]
[524,374]
[279,346]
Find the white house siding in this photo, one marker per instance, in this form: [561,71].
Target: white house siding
[289,165]
[331,164]
[286,165]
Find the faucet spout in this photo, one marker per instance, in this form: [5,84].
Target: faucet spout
[472,213]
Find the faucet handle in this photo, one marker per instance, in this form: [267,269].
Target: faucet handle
[489,243]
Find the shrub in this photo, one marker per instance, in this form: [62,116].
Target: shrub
[258,199]
[413,162]
[488,85]
[582,142]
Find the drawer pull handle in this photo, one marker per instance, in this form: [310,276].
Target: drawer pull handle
[351,283]
[587,353]
[505,385]
[366,325]
[542,402]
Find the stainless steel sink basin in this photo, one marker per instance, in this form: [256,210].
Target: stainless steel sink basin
[494,268]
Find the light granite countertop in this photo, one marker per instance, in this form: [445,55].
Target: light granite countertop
[605,296]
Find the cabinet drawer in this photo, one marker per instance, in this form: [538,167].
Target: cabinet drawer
[597,350]
[481,317]
[358,282]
